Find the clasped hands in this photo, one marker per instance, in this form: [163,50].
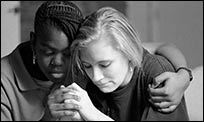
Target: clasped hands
[74,103]
[71,103]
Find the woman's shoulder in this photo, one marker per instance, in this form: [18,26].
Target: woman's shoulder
[11,66]
[6,68]
[7,75]
[155,64]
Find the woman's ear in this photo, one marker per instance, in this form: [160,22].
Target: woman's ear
[32,37]
[33,41]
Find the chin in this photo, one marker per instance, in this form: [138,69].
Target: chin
[107,90]
[55,80]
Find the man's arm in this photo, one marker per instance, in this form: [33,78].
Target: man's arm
[175,83]
[159,66]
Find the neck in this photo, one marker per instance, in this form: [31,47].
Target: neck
[128,77]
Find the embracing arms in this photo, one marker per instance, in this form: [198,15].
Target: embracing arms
[167,98]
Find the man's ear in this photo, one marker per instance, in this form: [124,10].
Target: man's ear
[33,41]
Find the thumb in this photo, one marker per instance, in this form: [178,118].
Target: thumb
[160,80]
[75,86]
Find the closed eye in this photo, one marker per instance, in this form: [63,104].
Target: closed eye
[47,52]
[86,65]
[106,64]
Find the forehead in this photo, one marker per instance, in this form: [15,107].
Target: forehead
[99,50]
[53,37]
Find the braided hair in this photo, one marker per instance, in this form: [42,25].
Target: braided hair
[64,15]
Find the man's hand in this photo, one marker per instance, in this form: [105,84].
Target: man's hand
[168,97]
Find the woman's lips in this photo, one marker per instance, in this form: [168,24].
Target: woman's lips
[57,74]
[102,85]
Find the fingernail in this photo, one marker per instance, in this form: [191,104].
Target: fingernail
[66,101]
[62,86]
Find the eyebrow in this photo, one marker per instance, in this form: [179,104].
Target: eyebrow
[47,46]
[84,62]
[52,48]
[102,61]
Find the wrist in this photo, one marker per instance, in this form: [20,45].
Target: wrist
[100,116]
[187,71]
[48,116]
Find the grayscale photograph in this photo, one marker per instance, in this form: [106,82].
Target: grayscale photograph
[101,60]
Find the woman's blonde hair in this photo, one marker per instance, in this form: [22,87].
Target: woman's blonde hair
[109,21]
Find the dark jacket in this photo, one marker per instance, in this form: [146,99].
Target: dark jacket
[131,101]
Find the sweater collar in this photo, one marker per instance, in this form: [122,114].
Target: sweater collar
[23,78]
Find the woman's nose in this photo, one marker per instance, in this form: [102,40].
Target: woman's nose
[97,74]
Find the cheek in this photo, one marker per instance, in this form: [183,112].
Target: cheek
[43,61]
[113,72]
[119,70]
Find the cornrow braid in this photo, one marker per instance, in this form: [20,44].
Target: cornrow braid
[62,14]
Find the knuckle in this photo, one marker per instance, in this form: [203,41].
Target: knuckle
[159,105]
[77,107]
[78,98]
[69,113]
[51,107]
[166,91]
[53,113]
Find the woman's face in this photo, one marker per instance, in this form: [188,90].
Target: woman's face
[52,52]
[106,66]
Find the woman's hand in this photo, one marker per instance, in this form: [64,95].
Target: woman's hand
[58,109]
[79,98]
[168,97]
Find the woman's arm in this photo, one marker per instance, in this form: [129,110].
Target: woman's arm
[173,54]
[168,50]
[175,83]
[161,65]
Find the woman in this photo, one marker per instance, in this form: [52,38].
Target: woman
[108,50]
[36,66]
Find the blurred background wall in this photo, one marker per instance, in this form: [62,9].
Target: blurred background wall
[10,26]
[177,22]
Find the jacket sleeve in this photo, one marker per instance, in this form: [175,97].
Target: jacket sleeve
[180,114]
[157,66]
